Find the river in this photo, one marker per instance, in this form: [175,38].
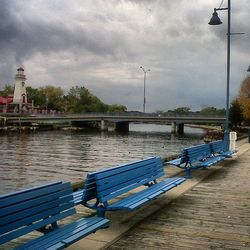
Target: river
[31,159]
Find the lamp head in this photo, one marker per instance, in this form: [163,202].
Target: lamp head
[215,20]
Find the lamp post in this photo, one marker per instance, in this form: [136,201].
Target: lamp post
[215,20]
[144,96]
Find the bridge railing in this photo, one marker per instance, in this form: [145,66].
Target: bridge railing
[113,114]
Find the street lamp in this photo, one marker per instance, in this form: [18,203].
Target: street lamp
[215,20]
[144,99]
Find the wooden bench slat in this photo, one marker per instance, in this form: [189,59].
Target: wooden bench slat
[107,196]
[88,230]
[34,226]
[36,217]
[142,198]
[68,234]
[30,203]
[147,194]
[20,196]
[77,196]
[22,191]
[106,186]
[125,167]
[125,175]
[31,194]
[37,212]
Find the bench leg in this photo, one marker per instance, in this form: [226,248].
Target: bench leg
[188,173]
[100,211]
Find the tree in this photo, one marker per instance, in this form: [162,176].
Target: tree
[49,96]
[235,113]
[117,108]
[212,111]
[7,90]
[36,96]
[244,99]
[79,99]
[53,97]
[182,110]
[245,88]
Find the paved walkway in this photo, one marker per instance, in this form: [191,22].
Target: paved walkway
[215,214]
[210,211]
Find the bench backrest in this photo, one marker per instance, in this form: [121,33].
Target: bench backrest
[112,182]
[198,153]
[32,209]
[217,147]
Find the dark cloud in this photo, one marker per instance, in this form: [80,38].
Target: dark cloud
[102,44]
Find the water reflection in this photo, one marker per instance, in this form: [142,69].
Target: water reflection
[30,159]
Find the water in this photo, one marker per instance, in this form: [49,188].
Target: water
[35,158]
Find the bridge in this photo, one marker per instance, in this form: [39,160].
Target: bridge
[119,120]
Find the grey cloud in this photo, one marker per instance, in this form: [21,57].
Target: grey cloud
[103,43]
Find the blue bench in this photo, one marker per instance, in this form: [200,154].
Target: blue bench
[103,189]
[40,209]
[195,157]
[77,197]
[217,148]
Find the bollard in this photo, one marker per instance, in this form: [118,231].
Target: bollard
[232,138]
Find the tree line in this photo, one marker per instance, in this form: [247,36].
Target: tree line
[78,99]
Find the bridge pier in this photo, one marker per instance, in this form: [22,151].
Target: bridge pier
[122,126]
[103,126]
[180,129]
[177,128]
[173,128]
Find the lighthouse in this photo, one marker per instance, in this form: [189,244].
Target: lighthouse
[20,95]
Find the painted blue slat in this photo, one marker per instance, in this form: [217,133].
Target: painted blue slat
[30,194]
[164,186]
[34,210]
[126,174]
[29,203]
[35,217]
[124,190]
[123,180]
[29,189]
[130,186]
[125,167]
[76,230]
[22,231]
[90,191]
[87,231]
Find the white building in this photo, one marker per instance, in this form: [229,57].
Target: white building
[20,95]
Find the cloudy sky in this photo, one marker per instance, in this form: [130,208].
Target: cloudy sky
[101,45]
